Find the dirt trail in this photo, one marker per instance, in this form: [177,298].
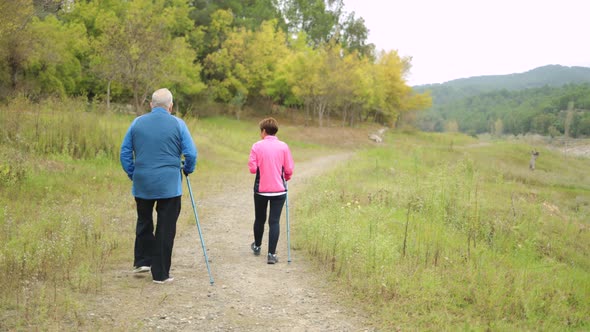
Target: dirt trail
[248,294]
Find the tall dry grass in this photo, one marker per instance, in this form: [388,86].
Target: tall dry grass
[441,232]
[67,216]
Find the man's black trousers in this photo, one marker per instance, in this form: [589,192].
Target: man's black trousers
[155,249]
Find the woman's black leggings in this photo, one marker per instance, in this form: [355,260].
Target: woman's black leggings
[260,208]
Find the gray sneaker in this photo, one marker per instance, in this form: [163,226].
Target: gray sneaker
[272,259]
[141,269]
[255,249]
[170,279]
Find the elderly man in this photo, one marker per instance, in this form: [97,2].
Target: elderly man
[151,156]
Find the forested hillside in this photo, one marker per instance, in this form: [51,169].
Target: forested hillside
[309,55]
[550,75]
[551,100]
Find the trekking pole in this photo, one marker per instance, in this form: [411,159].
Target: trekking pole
[190,190]
[288,228]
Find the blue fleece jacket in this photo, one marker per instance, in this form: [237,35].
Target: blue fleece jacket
[151,153]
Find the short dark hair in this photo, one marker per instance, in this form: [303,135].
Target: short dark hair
[270,125]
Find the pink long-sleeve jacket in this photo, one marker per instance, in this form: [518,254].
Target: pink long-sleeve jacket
[271,161]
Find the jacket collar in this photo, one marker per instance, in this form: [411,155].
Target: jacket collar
[159,110]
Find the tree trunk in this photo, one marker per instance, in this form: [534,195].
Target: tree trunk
[321,110]
[136,98]
[109,96]
[569,119]
[307,115]
[238,112]
[352,116]
[13,71]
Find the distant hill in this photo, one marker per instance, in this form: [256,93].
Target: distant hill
[551,75]
[531,102]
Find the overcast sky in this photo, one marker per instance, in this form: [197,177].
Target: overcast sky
[450,39]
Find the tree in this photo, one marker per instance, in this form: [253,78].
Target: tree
[14,41]
[584,124]
[390,70]
[541,123]
[245,63]
[39,55]
[144,46]
[215,19]
[498,128]
[317,18]
[15,16]
[306,76]
[353,37]
[248,14]
[347,79]
[451,126]
[281,85]
[569,119]
[55,58]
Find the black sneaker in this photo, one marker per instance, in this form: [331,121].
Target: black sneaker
[255,249]
[272,258]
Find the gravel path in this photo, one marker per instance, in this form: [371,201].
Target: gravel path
[247,295]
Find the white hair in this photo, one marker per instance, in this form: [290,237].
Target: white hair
[162,98]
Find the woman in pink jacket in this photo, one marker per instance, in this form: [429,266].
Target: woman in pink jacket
[271,161]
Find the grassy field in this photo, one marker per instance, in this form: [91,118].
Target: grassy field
[442,232]
[66,211]
[434,231]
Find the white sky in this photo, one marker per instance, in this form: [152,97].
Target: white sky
[450,39]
